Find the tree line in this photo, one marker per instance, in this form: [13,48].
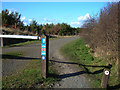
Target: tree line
[102,33]
[13,20]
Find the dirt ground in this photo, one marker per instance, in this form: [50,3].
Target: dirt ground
[70,74]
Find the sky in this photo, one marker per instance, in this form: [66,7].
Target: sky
[72,13]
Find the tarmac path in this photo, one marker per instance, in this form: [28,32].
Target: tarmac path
[71,76]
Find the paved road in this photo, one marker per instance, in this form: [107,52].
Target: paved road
[70,74]
[13,65]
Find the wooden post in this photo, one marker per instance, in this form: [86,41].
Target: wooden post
[1,42]
[105,78]
[44,57]
[118,68]
[1,39]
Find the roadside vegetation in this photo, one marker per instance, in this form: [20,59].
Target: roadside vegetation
[99,46]
[93,67]
[28,42]
[7,55]
[102,35]
[24,43]
[30,77]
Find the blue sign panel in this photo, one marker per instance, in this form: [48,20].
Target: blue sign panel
[43,40]
[43,49]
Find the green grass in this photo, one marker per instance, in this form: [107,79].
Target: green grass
[77,52]
[23,43]
[11,54]
[27,43]
[29,77]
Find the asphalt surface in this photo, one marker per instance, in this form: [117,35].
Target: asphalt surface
[71,76]
[13,65]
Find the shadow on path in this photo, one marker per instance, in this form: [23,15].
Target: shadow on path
[81,72]
[17,57]
[109,66]
[114,87]
[84,72]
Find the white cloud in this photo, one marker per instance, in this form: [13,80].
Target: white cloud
[25,23]
[39,23]
[23,18]
[10,12]
[75,23]
[49,22]
[81,18]
[79,21]
[30,20]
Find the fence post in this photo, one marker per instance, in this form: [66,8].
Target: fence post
[105,78]
[1,40]
[44,55]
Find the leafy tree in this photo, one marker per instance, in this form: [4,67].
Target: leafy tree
[21,25]
[33,26]
[12,18]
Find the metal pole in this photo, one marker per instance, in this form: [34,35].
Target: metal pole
[20,36]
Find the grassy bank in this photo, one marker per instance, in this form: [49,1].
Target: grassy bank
[28,42]
[77,52]
[29,77]
[23,43]
[11,55]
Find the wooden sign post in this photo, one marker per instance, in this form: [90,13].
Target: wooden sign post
[44,55]
[105,78]
[44,49]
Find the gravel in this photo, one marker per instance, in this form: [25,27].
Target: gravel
[71,76]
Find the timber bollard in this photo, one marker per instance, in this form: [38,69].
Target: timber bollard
[1,39]
[1,42]
[105,78]
[44,55]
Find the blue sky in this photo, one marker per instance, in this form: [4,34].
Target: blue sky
[72,13]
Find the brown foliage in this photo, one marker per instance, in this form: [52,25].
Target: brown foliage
[102,33]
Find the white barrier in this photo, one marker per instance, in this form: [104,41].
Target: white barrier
[20,36]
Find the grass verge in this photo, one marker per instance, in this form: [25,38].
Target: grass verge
[23,43]
[28,42]
[30,77]
[11,55]
[77,52]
